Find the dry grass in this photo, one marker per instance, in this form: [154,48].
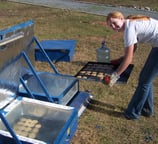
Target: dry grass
[102,122]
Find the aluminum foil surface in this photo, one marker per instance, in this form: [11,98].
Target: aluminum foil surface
[37,120]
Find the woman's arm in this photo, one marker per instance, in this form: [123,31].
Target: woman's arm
[128,57]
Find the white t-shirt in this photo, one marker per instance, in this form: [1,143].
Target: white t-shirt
[143,31]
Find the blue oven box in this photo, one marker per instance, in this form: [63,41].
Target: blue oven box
[32,121]
[57,50]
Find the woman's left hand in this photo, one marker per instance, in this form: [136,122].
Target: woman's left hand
[111,79]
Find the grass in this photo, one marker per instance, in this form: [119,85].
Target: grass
[102,122]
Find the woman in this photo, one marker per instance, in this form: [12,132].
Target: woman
[137,29]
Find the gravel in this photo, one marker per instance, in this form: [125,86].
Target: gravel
[92,8]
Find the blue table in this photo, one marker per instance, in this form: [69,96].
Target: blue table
[57,50]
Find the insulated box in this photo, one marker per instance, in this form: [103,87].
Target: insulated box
[38,122]
[37,119]
[57,50]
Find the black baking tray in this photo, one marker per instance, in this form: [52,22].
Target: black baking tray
[95,71]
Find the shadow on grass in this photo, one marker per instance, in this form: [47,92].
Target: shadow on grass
[79,63]
[105,108]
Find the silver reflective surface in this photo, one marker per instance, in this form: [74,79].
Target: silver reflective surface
[5,98]
[10,66]
[57,86]
[37,121]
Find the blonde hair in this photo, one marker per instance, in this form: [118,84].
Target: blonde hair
[117,14]
[138,17]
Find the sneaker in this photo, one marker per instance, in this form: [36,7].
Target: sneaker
[128,118]
[146,114]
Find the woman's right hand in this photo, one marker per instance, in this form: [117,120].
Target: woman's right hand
[117,61]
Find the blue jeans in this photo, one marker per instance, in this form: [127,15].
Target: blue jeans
[142,100]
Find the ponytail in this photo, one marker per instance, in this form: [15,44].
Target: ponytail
[137,17]
[117,14]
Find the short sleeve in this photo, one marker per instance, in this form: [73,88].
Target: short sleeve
[130,36]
